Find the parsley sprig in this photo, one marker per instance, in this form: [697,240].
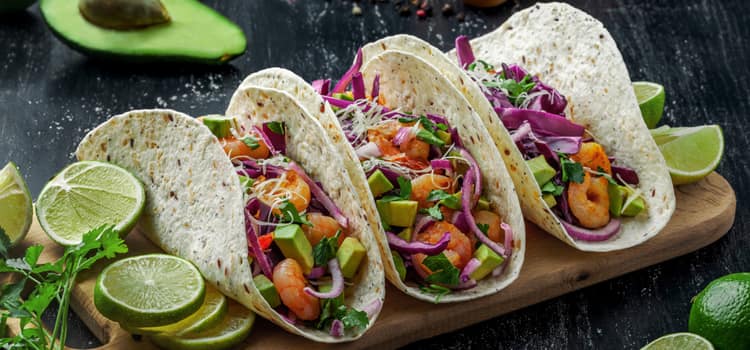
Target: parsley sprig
[52,281]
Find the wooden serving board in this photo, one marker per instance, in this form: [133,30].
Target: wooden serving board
[705,212]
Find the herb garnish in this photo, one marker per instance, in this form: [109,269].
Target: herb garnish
[571,171]
[552,188]
[334,309]
[276,127]
[438,290]
[326,249]
[443,271]
[290,214]
[250,142]
[404,188]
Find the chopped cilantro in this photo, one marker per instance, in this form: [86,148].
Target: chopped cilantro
[326,249]
[571,171]
[334,309]
[433,211]
[443,272]
[436,195]
[552,188]
[483,227]
[438,290]
[251,142]
[290,214]
[276,127]
[429,137]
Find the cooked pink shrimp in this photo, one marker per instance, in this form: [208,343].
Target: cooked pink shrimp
[592,156]
[424,184]
[290,186]
[493,222]
[459,250]
[412,152]
[323,226]
[589,201]
[290,283]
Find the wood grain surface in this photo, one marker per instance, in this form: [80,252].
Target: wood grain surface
[705,211]
[698,49]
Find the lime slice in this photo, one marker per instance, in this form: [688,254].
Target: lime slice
[149,290]
[691,152]
[15,204]
[210,314]
[651,101]
[679,341]
[87,195]
[232,330]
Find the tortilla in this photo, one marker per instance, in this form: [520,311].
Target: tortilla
[540,39]
[195,205]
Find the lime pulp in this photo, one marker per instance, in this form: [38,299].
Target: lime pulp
[16,211]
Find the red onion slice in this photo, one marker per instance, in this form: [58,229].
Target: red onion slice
[474,168]
[422,222]
[403,135]
[598,235]
[358,87]
[321,196]
[470,267]
[252,238]
[347,78]
[417,247]
[266,140]
[338,282]
[337,328]
[316,272]
[466,204]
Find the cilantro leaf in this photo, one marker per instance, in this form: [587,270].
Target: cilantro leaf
[326,249]
[483,227]
[429,137]
[352,318]
[571,171]
[433,211]
[438,290]
[290,214]
[276,127]
[404,186]
[32,254]
[436,195]
[250,142]
[443,272]
[552,188]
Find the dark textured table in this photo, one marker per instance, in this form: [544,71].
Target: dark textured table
[51,96]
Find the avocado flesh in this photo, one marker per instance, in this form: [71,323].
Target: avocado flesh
[196,33]
[267,290]
[488,261]
[542,171]
[379,183]
[617,196]
[398,213]
[8,6]
[350,255]
[294,245]
[219,125]
[634,208]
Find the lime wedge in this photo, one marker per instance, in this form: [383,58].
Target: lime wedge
[679,341]
[15,204]
[149,290]
[232,330]
[651,101]
[87,195]
[691,152]
[211,313]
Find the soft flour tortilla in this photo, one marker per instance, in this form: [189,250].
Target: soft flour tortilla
[195,205]
[498,184]
[539,39]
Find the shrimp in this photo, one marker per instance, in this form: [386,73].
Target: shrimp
[493,222]
[592,156]
[322,226]
[459,250]
[289,186]
[424,184]
[383,134]
[589,201]
[290,282]
[234,147]
[412,151]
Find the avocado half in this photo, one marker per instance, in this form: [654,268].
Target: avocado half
[195,34]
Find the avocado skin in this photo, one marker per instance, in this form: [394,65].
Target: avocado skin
[10,6]
[133,57]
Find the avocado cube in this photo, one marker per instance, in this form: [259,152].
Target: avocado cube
[326,287]
[344,96]
[246,182]
[453,202]
[549,199]
[219,125]
[617,195]
[406,234]
[541,170]
[350,255]
[267,290]
[400,267]
[402,213]
[634,208]
[294,245]
[483,203]
[379,183]
[488,260]
[444,136]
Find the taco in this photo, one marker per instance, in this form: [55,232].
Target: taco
[257,202]
[452,228]
[584,164]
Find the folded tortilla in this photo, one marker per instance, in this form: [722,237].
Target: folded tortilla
[434,95]
[195,205]
[572,52]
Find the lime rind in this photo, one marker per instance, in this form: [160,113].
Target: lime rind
[17,217]
[679,341]
[685,150]
[149,290]
[651,98]
[86,195]
[233,329]
[212,311]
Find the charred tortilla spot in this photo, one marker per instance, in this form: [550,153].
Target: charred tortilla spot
[218,263]
[247,290]
[506,151]
[172,194]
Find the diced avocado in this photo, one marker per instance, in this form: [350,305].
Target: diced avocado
[398,213]
[454,202]
[344,96]
[405,234]
[634,207]
[617,195]
[219,125]
[350,255]
[488,259]
[549,199]
[326,287]
[541,170]
[267,290]
[379,183]
[294,245]
[195,33]
[444,136]
[246,182]
[400,267]
[483,203]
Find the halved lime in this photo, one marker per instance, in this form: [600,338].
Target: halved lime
[87,195]
[149,290]
[651,101]
[232,330]
[679,341]
[210,314]
[691,152]
[16,211]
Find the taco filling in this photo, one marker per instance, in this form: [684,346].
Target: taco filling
[441,231]
[585,188]
[302,256]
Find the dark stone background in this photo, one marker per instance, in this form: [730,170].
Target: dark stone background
[50,96]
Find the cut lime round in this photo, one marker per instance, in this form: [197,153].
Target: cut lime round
[149,290]
[15,204]
[679,341]
[232,330]
[87,195]
[651,101]
[210,314]
[691,152]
